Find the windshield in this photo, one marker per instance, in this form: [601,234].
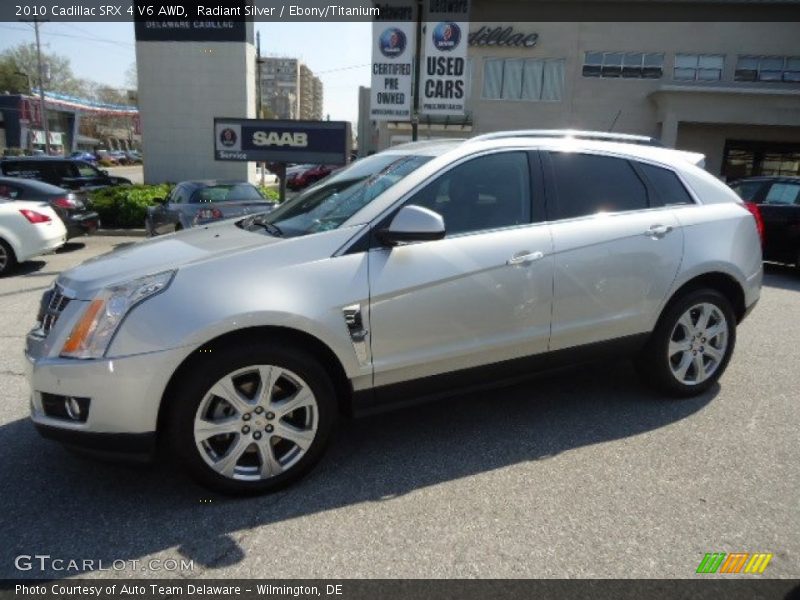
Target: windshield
[327,205]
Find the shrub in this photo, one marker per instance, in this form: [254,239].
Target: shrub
[270,193]
[104,162]
[126,206]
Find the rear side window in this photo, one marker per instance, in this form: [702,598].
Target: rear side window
[666,184]
[783,193]
[23,169]
[588,184]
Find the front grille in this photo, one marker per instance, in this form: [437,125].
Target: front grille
[53,303]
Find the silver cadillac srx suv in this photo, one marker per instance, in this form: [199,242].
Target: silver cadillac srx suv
[415,272]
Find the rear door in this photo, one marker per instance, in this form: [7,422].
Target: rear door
[780,211]
[617,248]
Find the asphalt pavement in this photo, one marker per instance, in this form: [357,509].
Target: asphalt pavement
[580,473]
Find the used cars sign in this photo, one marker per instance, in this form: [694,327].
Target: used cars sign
[268,140]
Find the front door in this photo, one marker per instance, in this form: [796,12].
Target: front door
[479,296]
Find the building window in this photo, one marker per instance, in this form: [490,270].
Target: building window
[699,67]
[628,65]
[532,80]
[768,68]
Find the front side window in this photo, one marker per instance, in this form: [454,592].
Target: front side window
[768,68]
[85,170]
[698,67]
[587,184]
[531,80]
[487,192]
[628,65]
[783,193]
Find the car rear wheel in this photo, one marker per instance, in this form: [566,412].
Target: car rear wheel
[255,420]
[8,259]
[691,345]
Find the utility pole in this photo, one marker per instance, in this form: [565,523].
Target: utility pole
[417,62]
[259,96]
[42,108]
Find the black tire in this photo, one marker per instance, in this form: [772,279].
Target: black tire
[10,262]
[653,363]
[206,371]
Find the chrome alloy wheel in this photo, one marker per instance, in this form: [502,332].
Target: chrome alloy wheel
[698,344]
[3,258]
[256,422]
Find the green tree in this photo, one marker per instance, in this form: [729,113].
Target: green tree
[11,80]
[58,72]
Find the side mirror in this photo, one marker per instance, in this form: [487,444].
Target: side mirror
[413,224]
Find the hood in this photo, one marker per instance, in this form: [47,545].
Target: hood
[214,242]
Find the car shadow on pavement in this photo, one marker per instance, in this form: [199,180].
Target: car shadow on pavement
[28,267]
[59,504]
[782,276]
[71,247]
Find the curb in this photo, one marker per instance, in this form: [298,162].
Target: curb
[121,232]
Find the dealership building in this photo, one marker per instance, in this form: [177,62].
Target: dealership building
[730,90]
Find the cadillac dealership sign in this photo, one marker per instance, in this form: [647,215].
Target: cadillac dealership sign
[270,140]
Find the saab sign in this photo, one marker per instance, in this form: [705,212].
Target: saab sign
[268,140]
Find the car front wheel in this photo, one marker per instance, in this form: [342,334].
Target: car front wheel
[255,419]
[691,345]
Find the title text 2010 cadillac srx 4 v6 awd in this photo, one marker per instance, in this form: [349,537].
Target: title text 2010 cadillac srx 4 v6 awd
[411,273]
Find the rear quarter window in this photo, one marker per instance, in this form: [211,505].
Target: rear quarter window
[669,188]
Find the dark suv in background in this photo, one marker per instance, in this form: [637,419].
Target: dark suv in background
[776,203]
[65,173]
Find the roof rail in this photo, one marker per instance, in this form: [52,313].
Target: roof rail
[571,133]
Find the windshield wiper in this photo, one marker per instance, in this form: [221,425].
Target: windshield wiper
[271,228]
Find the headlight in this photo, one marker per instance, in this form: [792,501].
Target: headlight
[93,332]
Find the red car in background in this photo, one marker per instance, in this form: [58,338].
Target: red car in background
[303,177]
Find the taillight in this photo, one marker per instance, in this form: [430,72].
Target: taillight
[64,202]
[209,213]
[34,217]
[756,212]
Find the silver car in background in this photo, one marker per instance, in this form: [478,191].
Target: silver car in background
[192,203]
[443,265]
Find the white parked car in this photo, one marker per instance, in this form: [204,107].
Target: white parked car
[28,229]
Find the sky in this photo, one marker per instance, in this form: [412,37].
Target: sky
[339,53]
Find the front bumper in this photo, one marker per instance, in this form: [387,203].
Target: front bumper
[125,395]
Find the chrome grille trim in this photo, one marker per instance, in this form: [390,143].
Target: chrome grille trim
[54,301]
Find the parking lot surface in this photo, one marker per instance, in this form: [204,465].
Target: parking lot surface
[580,473]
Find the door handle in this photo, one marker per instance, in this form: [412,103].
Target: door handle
[658,231]
[524,257]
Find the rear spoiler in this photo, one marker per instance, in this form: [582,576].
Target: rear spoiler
[696,158]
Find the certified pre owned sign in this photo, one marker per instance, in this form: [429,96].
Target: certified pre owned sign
[270,140]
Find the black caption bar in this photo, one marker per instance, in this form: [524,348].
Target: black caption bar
[405,589]
[367,10]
